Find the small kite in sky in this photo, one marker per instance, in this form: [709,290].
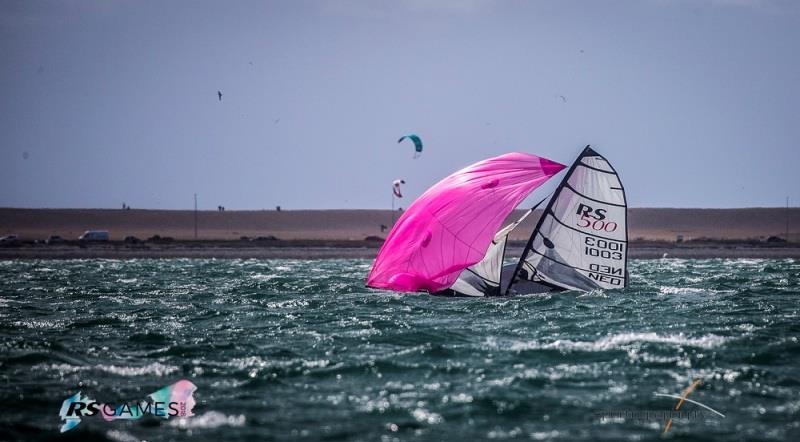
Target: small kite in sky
[417,143]
[396,188]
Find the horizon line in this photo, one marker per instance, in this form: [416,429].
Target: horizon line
[350,209]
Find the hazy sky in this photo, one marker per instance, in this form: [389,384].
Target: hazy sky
[695,102]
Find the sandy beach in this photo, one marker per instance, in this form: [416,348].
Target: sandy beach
[341,233]
[644,223]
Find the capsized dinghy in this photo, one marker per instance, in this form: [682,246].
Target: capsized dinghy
[450,227]
[450,242]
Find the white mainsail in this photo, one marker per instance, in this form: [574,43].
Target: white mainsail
[581,240]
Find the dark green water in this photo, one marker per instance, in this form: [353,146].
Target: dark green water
[295,349]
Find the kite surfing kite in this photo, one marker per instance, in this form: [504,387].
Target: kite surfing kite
[450,241]
[417,143]
[396,188]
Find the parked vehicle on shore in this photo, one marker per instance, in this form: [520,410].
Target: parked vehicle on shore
[94,235]
[130,239]
[9,240]
[54,239]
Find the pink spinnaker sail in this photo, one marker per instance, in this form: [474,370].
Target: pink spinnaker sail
[450,226]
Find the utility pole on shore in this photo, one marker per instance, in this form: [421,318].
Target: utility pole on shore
[787,219]
[195,216]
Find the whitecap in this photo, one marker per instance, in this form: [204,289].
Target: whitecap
[498,433]
[666,290]
[41,324]
[322,363]
[248,362]
[262,277]
[618,341]
[121,436]
[291,303]
[461,398]
[62,369]
[544,435]
[156,369]
[425,416]
[210,419]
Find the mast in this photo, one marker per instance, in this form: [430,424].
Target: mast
[549,206]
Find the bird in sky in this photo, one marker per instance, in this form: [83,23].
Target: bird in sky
[219,93]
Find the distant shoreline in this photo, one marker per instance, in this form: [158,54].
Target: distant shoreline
[311,234]
[352,225]
[358,249]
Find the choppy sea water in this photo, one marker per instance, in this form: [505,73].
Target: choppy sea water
[292,349]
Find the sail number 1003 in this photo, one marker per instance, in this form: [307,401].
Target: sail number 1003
[602,248]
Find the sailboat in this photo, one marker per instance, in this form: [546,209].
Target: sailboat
[450,240]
